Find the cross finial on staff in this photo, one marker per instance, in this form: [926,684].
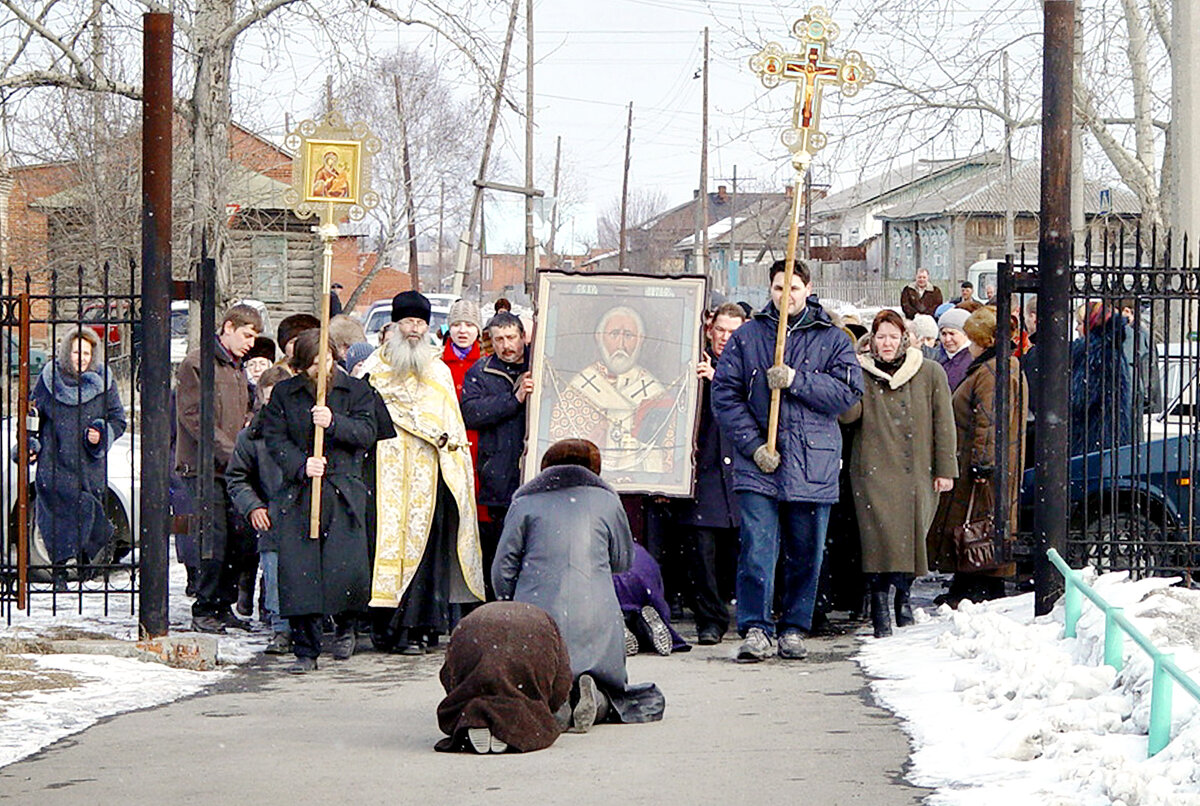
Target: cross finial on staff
[811,68]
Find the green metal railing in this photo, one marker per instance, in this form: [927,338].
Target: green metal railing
[1116,627]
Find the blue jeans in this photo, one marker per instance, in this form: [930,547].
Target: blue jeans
[771,528]
[270,568]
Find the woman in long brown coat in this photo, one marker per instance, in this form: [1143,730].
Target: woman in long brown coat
[902,457]
[974,405]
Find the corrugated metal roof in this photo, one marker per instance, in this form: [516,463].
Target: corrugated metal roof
[987,193]
[897,179]
[248,189]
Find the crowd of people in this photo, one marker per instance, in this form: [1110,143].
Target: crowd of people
[886,450]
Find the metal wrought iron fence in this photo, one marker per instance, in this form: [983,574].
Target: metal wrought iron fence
[69,475]
[1133,378]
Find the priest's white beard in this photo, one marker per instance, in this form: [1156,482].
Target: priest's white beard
[407,357]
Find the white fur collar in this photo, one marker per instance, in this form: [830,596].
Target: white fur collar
[908,370]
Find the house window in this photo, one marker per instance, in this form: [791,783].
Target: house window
[269,256]
[935,251]
[902,255]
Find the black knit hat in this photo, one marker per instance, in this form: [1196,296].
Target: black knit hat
[263,347]
[410,303]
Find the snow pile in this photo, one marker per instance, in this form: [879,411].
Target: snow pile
[82,690]
[44,698]
[1002,709]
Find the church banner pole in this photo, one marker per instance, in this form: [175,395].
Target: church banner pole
[810,68]
[331,179]
[328,230]
[784,301]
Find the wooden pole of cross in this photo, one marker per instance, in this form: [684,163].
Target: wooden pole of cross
[811,68]
[331,178]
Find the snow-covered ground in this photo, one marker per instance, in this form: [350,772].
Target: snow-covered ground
[44,698]
[1002,709]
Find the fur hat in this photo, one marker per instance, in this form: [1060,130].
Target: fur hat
[263,347]
[580,452]
[981,327]
[954,319]
[410,304]
[464,311]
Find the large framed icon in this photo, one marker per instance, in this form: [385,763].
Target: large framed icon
[614,361]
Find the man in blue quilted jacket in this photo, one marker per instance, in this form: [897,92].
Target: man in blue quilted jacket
[784,495]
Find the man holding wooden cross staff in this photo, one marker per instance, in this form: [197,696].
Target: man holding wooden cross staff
[783,380]
[784,490]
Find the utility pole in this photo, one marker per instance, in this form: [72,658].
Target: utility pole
[414,267]
[530,247]
[441,269]
[702,263]
[1009,214]
[554,203]
[463,254]
[732,228]
[621,249]
[1050,510]
[1184,215]
[733,222]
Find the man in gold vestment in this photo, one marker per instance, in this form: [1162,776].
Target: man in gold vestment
[427,553]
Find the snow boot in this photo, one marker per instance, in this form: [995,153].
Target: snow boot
[881,619]
[904,614]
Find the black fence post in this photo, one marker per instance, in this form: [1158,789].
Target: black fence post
[154,497]
[1051,498]
[206,504]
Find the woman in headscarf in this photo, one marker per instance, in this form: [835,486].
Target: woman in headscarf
[564,536]
[506,674]
[81,416]
[902,459]
[974,492]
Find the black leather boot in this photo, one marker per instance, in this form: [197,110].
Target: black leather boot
[904,616]
[881,619]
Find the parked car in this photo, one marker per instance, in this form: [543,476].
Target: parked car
[12,355]
[179,326]
[120,506]
[1135,507]
[380,313]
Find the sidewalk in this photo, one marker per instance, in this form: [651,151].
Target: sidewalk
[362,732]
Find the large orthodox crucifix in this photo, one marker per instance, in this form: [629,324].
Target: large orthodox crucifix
[812,68]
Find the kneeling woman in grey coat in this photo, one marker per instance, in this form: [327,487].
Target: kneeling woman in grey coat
[564,537]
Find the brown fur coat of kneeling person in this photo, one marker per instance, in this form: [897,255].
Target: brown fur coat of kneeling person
[506,672]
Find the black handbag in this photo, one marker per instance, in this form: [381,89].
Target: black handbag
[977,546]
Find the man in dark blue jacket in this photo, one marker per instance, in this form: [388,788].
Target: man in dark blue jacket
[711,515]
[493,404]
[784,496]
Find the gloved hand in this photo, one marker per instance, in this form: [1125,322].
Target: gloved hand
[780,376]
[767,460]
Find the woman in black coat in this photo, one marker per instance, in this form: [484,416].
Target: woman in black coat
[331,575]
[81,416]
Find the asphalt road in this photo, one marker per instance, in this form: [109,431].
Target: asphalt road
[362,732]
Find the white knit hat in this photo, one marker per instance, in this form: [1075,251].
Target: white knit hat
[955,319]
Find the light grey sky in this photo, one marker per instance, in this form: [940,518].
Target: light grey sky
[591,60]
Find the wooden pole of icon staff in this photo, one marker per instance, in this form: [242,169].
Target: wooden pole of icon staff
[811,69]
[331,178]
[328,231]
